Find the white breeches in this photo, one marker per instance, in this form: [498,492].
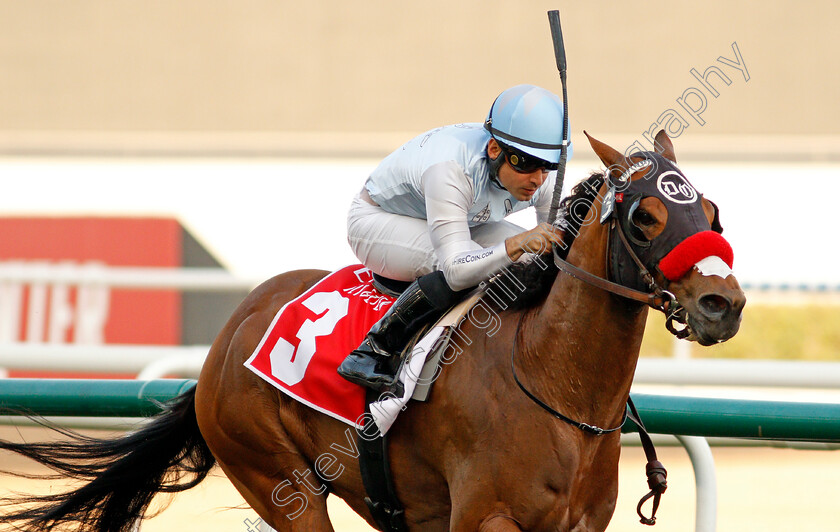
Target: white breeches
[399,247]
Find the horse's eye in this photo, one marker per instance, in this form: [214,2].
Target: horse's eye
[641,217]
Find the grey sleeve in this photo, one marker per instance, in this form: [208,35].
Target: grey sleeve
[449,196]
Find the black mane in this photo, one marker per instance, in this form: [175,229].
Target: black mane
[522,285]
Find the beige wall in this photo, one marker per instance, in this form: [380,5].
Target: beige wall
[282,67]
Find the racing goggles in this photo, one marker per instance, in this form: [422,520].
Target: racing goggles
[525,163]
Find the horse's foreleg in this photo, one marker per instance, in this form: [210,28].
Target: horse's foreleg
[499,523]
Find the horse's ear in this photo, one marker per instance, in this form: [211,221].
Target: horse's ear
[664,146]
[608,155]
[611,157]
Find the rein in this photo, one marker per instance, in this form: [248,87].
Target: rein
[658,298]
[654,300]
[656,473]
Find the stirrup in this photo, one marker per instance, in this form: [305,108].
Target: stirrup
[379,383]
[362,365]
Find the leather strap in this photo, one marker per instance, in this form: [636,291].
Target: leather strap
[656,473]
[643,272]
[650,299]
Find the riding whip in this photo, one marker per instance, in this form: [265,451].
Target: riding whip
[560,58]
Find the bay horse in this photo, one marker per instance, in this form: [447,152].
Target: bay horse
[480,454]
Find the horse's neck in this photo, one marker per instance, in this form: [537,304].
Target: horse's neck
[583,342]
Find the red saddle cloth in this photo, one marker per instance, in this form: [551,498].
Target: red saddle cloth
[312,334]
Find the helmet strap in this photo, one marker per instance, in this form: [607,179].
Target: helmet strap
[495,165]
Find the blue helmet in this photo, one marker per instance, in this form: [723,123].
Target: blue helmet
[530,119]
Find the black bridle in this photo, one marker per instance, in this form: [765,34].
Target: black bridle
[658,298]
[656,473]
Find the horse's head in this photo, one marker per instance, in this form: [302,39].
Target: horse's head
[661,222]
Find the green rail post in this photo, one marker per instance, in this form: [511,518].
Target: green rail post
[88,397]
[687,416]
[731,418]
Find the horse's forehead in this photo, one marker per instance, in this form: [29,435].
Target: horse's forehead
[663,179]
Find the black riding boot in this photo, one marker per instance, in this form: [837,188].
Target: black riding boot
[375,363]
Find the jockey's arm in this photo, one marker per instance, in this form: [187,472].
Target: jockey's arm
[536,240]
[449,196]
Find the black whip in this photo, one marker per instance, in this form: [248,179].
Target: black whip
[560,57]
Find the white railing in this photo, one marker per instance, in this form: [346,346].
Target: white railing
[727,372]
[133,359]
[149,278]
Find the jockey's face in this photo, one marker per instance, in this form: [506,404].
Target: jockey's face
[521,186]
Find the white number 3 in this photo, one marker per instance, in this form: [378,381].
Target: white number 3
[289,364]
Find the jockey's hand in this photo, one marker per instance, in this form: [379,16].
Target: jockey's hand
[537,240]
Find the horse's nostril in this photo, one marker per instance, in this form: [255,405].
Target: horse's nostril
[714,306]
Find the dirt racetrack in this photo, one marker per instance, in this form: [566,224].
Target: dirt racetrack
[759,489]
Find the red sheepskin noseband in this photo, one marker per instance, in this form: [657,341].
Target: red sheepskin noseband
[692,250]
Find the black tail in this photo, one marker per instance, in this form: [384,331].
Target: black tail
[122,474]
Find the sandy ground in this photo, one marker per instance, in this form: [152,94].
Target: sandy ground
[759,489]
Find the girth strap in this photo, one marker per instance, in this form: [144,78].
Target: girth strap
[381,497]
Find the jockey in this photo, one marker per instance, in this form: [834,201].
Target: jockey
[432,213]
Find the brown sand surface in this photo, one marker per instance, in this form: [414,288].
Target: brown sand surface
[759,489]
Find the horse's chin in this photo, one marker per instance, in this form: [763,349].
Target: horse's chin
[705,341]
[708,333]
